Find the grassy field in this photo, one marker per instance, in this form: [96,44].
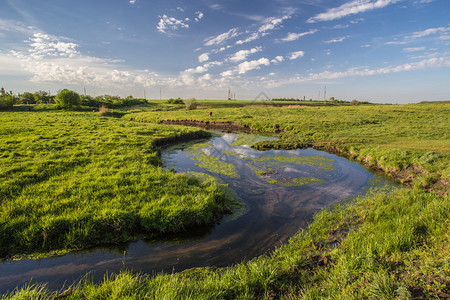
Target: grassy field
[388,245]
[414,138]
[71,180]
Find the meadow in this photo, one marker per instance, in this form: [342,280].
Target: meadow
[71,180]
[387,245]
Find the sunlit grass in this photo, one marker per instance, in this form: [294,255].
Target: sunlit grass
[74,180]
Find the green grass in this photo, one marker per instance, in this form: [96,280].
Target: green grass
[385,246]
[412,137]
[388,245]
[76,180]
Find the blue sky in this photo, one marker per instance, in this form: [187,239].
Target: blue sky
[383,51]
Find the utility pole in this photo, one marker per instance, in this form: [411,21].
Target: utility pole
[318,98]
[325,94]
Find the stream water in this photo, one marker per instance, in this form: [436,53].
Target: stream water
[280,191]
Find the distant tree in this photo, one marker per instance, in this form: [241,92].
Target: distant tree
[67,99]
[331,99]
[191,103]
[175,101]
[27,98]
[6,99]
[355,102]
[41,97]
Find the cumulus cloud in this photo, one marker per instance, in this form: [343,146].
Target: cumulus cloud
[221,38]
[203,57]
[296,54]
[351,8]
[242,54]
[295,36]
[132,1]
[47,45]
[227,73]
[277,59]
[252,65]
[56,59]
[167,24]
[198,16]
[188,75]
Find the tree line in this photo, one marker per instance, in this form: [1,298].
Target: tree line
[66,99]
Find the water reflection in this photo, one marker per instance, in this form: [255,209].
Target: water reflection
[280,190]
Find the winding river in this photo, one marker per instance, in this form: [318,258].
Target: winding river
[280,191]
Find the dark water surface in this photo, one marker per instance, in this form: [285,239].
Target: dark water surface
[280,191]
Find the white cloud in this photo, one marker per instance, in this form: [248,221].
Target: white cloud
[217,40]
[203,57]
[15,26]
[132,1]
[227,73]
[180,9]
[188,75]
[296,54]
[167,24]
[337,40]
[199,16]
[43,45]
[294,36]
[242,54]
[252,37]
[350,8]
[414,49]
[437,62]
[252,65]
[272,23]
[277,59]
[441,31]
[53,59]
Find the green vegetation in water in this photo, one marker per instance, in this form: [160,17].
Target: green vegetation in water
[390,137]
[211,163]
[271,168]
[75,180]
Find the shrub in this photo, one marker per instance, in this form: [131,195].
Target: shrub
[67,99]
[191,103]
[175,101]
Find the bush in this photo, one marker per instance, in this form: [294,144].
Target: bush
[67,99]
[191,103]
[6,101]
[175,101]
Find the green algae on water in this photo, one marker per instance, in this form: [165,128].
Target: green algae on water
[211,163]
